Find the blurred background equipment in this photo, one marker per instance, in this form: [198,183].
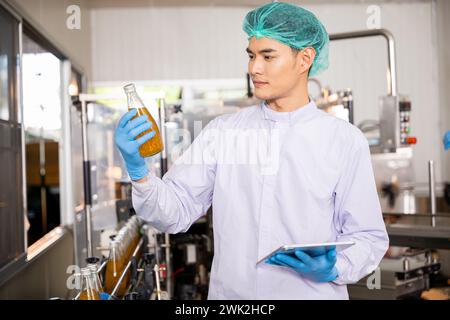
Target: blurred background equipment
[407,274]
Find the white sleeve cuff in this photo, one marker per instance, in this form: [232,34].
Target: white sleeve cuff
[143,187]
[340,267]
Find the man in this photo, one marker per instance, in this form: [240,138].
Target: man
[282,172]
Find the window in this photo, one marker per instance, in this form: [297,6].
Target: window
[42,121]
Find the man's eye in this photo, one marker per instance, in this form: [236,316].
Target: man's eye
[268,57]
[250,57]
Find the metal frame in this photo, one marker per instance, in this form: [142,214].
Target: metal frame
[392,64]
[8,7]
[14,266]
[23,146]
[68,212]
[389,112]
[432,191]
[86,177]
[419,236]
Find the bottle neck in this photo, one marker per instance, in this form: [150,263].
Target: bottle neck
[89,282]
[134,101]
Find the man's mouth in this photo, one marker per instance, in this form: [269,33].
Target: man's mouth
[258,84]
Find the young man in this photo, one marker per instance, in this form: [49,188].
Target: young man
[282,172]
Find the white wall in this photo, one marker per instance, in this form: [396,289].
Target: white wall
[206,42]
[148,43]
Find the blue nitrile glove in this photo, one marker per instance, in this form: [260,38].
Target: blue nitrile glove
[104,296]
[447,140]
[124,136]
[319,268]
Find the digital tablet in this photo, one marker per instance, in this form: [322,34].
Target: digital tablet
[313,249]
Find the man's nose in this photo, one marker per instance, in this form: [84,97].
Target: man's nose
[256,67]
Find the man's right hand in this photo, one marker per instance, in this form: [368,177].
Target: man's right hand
[125,134]
[320,268]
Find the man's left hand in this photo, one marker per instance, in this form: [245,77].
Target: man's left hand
[319,268]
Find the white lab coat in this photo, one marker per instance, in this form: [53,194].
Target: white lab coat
[273,178]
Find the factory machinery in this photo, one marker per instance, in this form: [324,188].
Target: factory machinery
[417,215]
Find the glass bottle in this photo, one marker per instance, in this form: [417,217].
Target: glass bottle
[154,145]
[125,257]
[89,287]
[112,267]
[98,282]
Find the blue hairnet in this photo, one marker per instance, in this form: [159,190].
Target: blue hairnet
[293,26]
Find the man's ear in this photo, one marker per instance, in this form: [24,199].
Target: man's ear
[306,57]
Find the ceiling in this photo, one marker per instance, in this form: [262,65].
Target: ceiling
[222,3]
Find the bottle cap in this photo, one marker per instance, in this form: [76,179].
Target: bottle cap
[85,271]
[129,88]
[92,268]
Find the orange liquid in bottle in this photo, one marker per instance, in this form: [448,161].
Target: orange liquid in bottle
[154,145]
[110,279]
[89,295]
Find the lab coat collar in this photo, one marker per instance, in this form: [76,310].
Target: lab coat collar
[301,113]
